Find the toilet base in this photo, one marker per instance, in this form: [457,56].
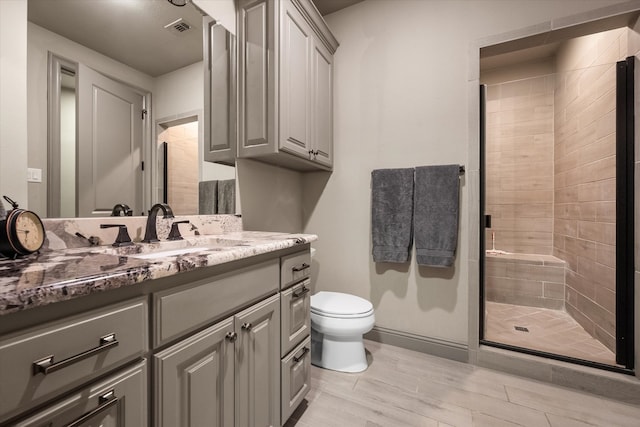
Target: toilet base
[343,354]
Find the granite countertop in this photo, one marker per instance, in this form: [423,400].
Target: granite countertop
[57,275]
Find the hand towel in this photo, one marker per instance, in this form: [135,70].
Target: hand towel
[227,196]
[391,214]
[436,214]
[207,197]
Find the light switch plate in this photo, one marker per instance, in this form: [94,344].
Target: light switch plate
[34,175]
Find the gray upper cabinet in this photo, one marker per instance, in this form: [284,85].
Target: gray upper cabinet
[285,84]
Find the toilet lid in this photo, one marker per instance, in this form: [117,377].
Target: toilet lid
[336,303]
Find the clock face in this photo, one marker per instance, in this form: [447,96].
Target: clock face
[29,231]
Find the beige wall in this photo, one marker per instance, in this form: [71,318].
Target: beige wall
[585,186]
[13,101]
[519,165]
[404,73]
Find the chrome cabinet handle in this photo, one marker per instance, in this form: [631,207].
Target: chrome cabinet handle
[47,365]
[300,292]
[231,336]
[304,266]
[299,358]
[105,401]
[247,326]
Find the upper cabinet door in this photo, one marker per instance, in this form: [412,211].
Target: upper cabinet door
[220,94]
[296,42]
[256,78]
[322,112]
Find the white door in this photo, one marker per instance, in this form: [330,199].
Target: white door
[109,145]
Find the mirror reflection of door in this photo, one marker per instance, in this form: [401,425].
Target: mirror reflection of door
[109,164]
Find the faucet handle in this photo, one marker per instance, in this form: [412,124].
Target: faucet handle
[123,238]
[174,234]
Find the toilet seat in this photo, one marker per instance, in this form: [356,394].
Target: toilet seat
[339,305]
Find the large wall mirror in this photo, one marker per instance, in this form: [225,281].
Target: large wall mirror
[133,108]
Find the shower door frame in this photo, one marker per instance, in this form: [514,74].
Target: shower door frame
[624,229]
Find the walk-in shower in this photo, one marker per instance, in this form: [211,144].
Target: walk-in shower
[550,196]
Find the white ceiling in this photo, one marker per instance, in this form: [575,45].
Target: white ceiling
[129,31]
[132,31]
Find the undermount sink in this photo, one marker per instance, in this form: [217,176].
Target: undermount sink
[171,248]
[174,252]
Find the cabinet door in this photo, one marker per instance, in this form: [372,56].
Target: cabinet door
[322,111]
[256,78]
[118,401]
[219,94]
[296,39]
[258,365]
[194,380]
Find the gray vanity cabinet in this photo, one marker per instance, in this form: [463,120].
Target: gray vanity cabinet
[225,375]
[285,72]
[195,379]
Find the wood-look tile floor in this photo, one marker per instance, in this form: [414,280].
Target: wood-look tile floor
[407,388]
[552,331]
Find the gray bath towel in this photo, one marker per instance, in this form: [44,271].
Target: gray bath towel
[207,197]
[391,214]
[227,196]
[436,214]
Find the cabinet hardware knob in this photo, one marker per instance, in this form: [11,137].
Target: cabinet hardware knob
[247,326]
[300,292]
[304,266]
[301,356]
[105,401]
[47,365]
[232,336]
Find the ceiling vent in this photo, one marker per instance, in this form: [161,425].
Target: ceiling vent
[179,26]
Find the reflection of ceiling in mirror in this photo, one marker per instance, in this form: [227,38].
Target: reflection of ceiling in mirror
[129,31]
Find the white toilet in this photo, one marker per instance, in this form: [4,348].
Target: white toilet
[338,322]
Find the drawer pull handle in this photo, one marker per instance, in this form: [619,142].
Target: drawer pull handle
[300,292]
[247,326]
[105,401]
[299,358]
[47,365]
[304,266]
[232,336]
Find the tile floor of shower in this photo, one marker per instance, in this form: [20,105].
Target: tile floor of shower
[551,331]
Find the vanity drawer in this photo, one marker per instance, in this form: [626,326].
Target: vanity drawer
[100,404]
[295,315]
[47,361]
[182,310]
[294,268]
[296,377]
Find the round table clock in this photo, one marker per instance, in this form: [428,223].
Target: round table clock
[21,233]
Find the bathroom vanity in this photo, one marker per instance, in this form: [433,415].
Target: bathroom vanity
[213,327]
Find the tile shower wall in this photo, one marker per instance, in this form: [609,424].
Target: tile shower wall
[182,167]
[519,165]
[584,178]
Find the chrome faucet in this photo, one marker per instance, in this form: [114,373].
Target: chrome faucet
[151,232]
